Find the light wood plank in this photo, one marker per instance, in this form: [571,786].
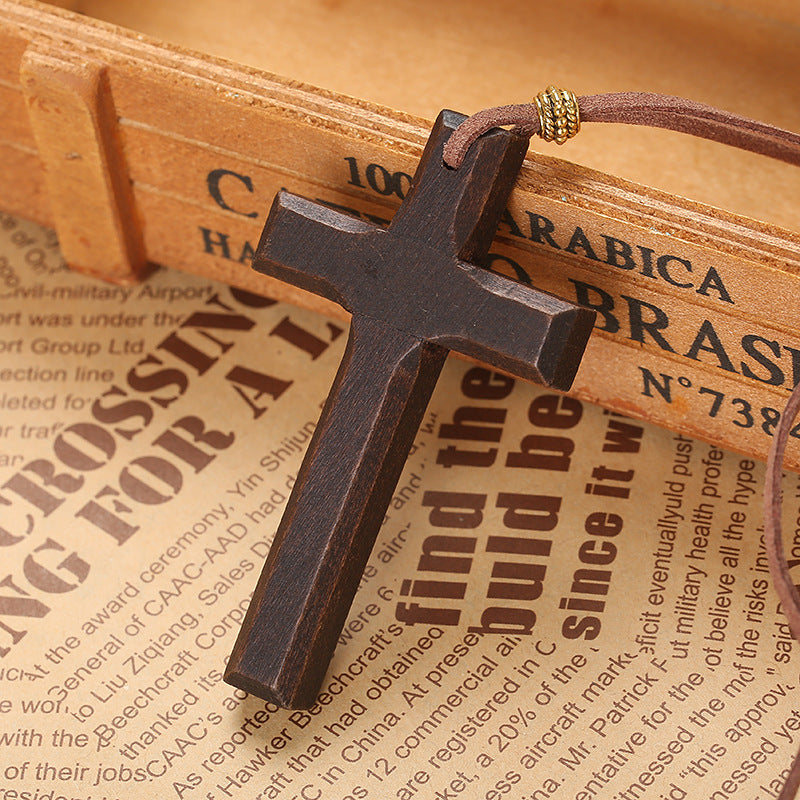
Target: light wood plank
[75,127]
[184,115]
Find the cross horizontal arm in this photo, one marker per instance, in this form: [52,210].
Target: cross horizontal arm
[334,513]
[312,246]
[432,296]
[515,328]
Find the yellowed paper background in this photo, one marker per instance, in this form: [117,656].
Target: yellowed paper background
[562,602]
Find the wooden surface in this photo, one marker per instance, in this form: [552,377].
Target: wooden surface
[414,293]
[420,57]
[188,123]
[74,125]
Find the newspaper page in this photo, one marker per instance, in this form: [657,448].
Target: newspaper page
[562,602]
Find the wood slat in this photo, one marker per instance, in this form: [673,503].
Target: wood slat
[75,127]
[15,125]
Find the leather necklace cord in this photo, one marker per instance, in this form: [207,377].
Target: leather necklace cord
[773,542]
[637,108]
[556,115]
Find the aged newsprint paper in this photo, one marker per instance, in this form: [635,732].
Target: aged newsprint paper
[563,603]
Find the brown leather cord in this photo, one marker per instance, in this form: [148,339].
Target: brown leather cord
[773,542]
[638,108]
[697,119]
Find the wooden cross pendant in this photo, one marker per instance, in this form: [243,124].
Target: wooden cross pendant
[414,294]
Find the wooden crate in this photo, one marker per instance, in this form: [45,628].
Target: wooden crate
[141,151]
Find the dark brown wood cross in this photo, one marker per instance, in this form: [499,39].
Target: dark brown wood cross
[414,294]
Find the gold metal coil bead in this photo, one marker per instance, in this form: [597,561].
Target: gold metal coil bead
[559,115]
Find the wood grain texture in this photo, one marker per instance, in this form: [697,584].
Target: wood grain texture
[473,55]
[414,294]
[74,124]
[182,114]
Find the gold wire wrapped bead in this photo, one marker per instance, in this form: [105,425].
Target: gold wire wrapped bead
[559,115]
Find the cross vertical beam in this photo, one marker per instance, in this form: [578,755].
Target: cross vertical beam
[328,529]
